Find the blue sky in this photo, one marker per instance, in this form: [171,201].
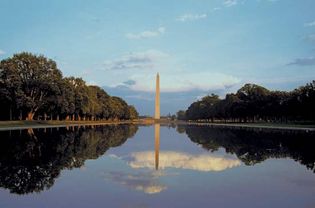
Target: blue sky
[197,46]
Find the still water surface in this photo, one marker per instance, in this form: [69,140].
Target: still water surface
[156,166]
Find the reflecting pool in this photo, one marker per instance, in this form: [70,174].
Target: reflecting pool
[156,166]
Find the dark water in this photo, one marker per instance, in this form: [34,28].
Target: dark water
[156,166]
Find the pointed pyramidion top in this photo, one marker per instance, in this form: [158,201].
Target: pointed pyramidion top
[157,74]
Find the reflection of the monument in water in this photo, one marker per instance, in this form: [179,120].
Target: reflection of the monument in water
[150,167]
[157,144]
[173,159]
[160,160]
[31,160]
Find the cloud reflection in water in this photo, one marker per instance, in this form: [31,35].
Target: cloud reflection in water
[147,179]
[145,182]
[171,159]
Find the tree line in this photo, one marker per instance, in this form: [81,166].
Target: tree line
[252,103]
[32,87]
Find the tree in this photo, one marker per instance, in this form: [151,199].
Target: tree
[254,99]
[254,103]
[203,109]
[210,106]
[66,100]
[81,97]
[132,112]
[29,80]
[181,115]
[118,108]
[31,84]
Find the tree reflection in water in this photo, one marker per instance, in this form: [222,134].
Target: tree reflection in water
[31,160]
[254,146]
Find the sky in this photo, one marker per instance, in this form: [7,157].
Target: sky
[198,46]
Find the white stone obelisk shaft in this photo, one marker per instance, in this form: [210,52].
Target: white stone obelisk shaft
[157,97]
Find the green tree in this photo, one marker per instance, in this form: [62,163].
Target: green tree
[81,97]
[181,115]
[254,103]
[132,112]
[203,109]
[29,81]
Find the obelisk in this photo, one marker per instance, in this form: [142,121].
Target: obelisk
[157,97]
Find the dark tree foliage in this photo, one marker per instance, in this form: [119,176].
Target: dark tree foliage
[27,81]
[254,103]
[181,115]
[31,160]
[32,86]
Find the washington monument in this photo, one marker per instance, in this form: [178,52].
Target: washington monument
[157,98]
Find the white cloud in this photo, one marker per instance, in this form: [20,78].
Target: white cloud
[2,52]
[229,3]
[171,159]
[146,34]
[151,189]
[144,182]
[184,81]
[141,68]
[191,17]
[139,60]
[309,24]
